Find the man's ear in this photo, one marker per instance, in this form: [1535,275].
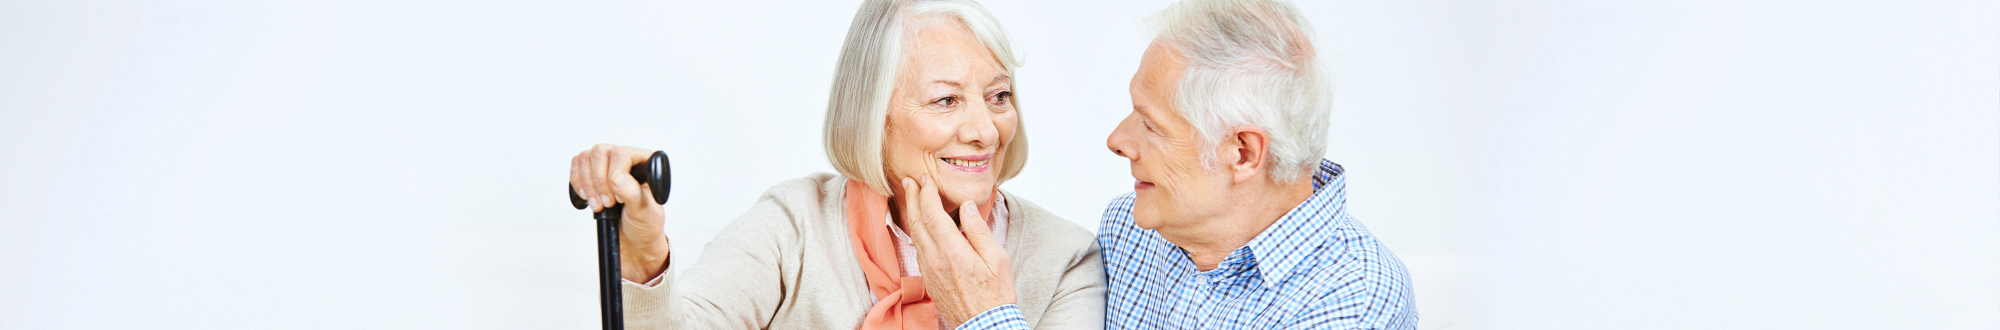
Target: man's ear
[1247,148]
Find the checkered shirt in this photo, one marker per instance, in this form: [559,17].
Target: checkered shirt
[1315,268]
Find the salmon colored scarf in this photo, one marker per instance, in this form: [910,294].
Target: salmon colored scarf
[901,300]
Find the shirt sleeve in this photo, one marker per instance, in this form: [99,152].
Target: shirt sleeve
[1006,317]
[650,283]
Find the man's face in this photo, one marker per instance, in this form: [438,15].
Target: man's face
[1174,188]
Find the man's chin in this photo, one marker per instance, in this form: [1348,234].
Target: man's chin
[1144,218]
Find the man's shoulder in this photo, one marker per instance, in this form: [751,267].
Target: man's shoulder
[1354,271]
[1352,244]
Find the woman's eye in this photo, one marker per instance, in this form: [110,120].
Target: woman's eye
[1003,98]
[948,101]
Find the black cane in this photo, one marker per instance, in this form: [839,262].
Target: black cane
[658,177]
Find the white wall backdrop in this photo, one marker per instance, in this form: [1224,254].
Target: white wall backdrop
[1556,164]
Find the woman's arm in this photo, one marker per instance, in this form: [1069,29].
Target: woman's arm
[735,284]
[1079,298]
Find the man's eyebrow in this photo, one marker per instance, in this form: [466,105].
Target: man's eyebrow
[1145,111]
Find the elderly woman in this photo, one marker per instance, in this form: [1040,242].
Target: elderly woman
[922,120]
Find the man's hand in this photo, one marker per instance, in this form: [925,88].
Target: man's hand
[965,272]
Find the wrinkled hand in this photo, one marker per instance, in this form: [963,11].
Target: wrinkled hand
[965,272]
[603,176]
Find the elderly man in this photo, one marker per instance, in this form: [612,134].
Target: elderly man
[1236,222]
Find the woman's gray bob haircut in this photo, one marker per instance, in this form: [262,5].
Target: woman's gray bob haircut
[865,78]
[1249,62]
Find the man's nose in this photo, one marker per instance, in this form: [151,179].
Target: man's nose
[1119,143]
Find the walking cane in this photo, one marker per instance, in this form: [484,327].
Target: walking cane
[657,176]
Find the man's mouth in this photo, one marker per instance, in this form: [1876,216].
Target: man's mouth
[1141,185]
[974,164]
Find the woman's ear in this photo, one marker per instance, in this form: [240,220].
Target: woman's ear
[1246,151]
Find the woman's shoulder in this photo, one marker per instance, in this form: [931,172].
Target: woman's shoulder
[1034,226]
[813,188]
[799,202]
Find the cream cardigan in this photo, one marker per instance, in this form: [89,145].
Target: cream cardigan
[789,263]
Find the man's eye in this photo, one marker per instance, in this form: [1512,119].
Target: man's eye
[948,101]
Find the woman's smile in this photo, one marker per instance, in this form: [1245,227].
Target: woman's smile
[974,164]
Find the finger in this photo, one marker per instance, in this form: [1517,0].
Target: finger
[913,215]
[977,233]
[576,175]
[584,182]
[933,211]
[945,236]
[599,159]
[635,155]
[593,163]
[606,172]
[624,188]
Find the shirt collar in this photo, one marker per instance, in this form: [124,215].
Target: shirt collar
[1298,234]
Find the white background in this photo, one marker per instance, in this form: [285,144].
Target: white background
[1563,164]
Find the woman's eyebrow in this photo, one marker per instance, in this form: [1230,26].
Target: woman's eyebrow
[947,82]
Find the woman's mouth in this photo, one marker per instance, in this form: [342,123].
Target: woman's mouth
[973,164]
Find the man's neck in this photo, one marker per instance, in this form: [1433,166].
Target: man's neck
[1208,242]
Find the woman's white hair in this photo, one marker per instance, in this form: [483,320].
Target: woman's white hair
[865,79]
[1249,62]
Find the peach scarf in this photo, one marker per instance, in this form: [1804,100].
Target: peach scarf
[902,302]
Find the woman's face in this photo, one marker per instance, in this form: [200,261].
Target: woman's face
[951,115]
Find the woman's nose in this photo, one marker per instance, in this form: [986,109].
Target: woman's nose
[979,131]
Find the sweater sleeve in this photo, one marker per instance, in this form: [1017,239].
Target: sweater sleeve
[1079,297]
[736,284]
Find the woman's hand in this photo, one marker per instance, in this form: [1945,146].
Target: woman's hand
[602,175]
[965,272]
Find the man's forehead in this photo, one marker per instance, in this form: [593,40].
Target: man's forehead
[1159,73]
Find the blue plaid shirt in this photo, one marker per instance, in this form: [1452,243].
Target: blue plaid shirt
[1315,268]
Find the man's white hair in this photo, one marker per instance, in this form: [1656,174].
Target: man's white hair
[1249,62]
[865,79]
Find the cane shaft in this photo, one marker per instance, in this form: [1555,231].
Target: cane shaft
[611,297]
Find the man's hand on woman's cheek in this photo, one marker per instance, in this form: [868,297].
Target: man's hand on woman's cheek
[965,272]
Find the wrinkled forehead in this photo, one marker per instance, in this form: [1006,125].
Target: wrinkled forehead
[920,32]
[937,46]
[1160,70]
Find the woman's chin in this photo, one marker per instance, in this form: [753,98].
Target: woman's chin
[955,194]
